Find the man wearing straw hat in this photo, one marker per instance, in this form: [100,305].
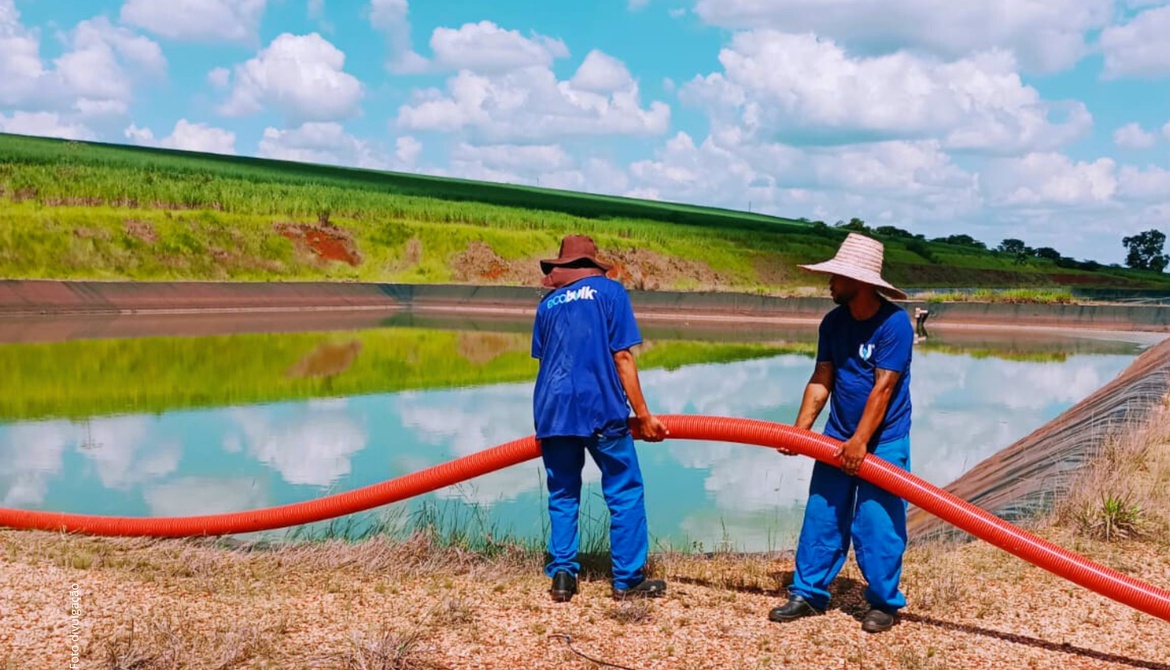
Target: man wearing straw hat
[863,370]
[585,388]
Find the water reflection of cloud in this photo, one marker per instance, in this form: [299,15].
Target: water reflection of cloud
[965,409]
[33,454]
[123,454]
[464,421]
[188,496]
[314,447]
[730,389]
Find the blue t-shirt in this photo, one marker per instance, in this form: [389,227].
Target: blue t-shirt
[856,349]
[577,330]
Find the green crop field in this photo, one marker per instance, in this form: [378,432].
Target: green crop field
[75,210]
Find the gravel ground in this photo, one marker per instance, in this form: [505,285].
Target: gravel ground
[186,604]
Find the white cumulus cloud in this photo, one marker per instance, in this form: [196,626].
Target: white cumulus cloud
[197,20]
[329,143]
[95,75]
[529,104]
[1051,179]
[1149,184]
[485,47]
[1132,136]
[44,124]
[300,77]
[187,136]
[1046,35]
[809,89]
[911,181]
[1139,47]
[391,17]
[601,73]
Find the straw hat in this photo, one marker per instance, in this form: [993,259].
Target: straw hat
[576,250]
[859,258]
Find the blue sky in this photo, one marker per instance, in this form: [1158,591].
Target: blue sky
[1047,120]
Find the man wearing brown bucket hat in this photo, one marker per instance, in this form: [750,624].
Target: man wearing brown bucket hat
[585,388]
[862,364]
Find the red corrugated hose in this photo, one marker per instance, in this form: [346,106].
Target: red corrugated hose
[960,513]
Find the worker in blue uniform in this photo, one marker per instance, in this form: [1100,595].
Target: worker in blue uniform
[585,390]
[863,370]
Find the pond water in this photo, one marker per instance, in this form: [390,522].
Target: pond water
[162,426]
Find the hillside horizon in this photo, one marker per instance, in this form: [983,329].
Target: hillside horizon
[104,211]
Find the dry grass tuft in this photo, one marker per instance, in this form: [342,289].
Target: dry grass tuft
[925,659]
[158,643]
[144,647]
[386,649]
[634,611]
[932,571]
[1125,493]
[456,612]
[754,574]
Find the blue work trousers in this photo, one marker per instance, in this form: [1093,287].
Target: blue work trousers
[621,483]
[841,508]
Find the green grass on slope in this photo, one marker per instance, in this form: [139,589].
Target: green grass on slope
[65,209]
[57,170]
[98,377]
[76,242]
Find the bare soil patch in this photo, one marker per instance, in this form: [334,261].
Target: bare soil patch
[86,233]
[480,263]
[325,241]
[646,270]
[141,230]
[414,252]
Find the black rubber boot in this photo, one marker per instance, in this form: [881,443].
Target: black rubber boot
[647,588]
[796,608]
[564,586]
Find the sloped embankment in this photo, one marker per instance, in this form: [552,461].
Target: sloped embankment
[1024,478]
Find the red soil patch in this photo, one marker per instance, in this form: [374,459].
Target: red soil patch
[326,241]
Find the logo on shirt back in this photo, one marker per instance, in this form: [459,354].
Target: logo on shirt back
[865,351]
[583,293]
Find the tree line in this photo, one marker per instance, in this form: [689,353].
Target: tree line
[1144,251]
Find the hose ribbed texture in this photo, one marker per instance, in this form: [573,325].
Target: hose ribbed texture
[979,523]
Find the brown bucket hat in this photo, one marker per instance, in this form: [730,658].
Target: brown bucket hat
[576,251]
